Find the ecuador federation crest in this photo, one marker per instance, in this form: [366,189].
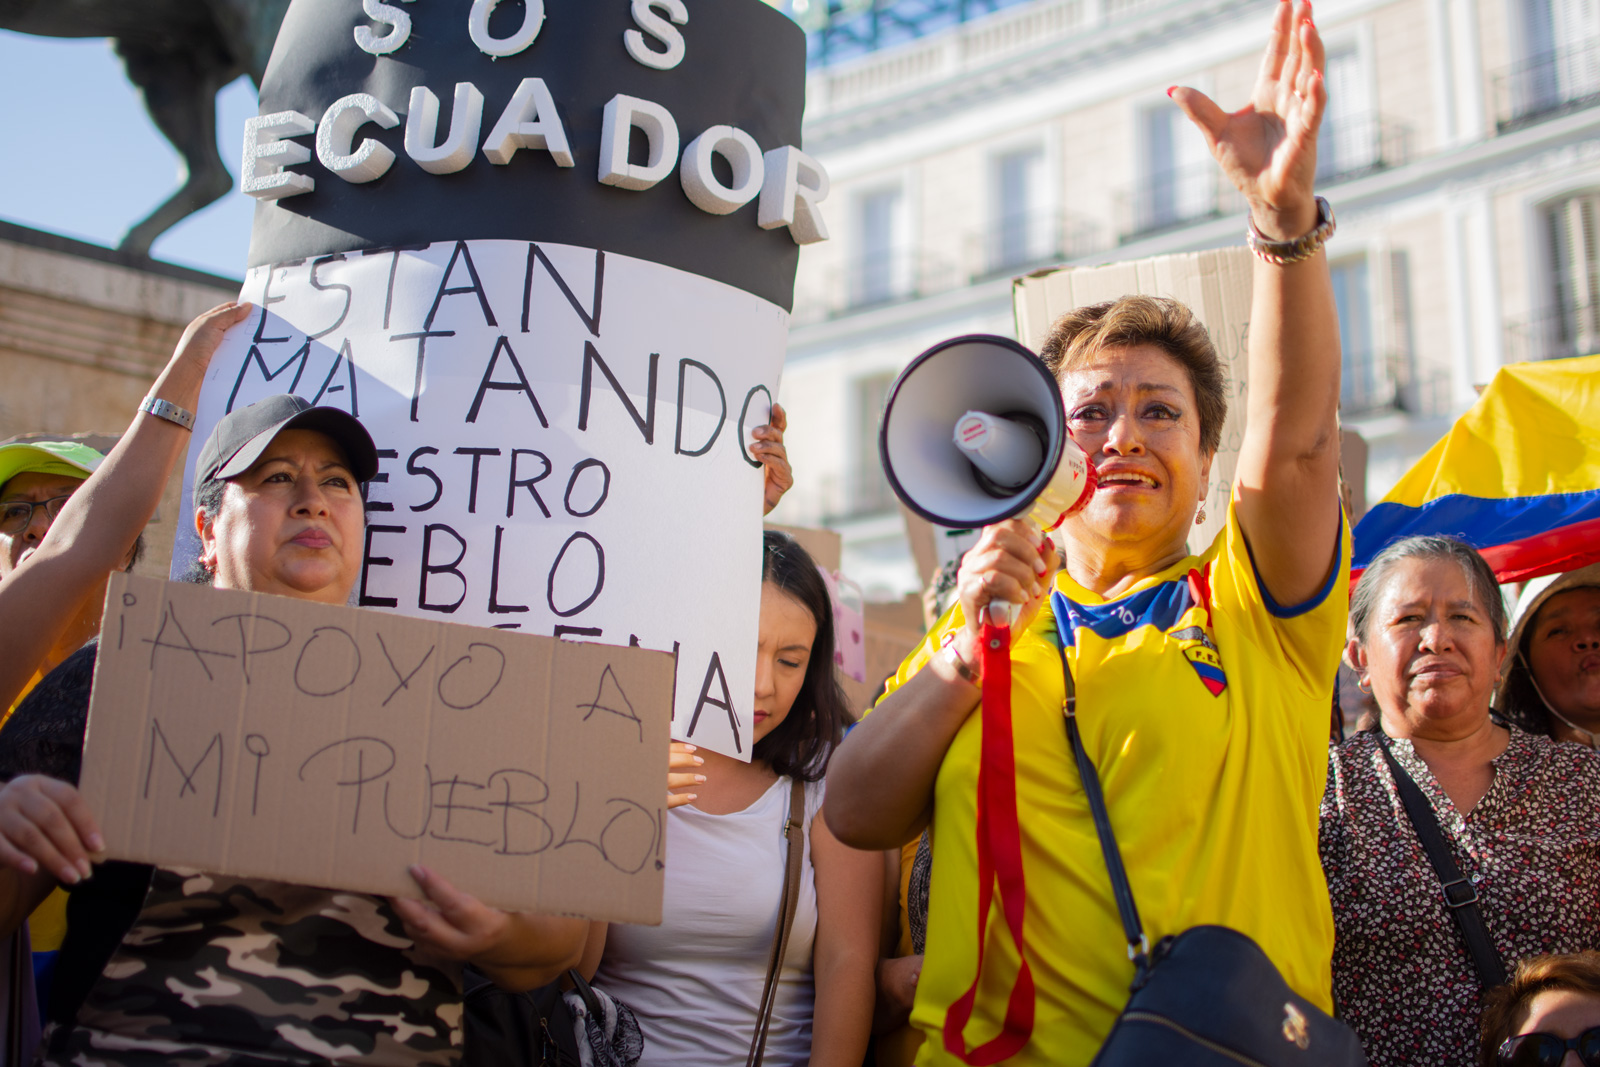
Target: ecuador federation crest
[1202,655]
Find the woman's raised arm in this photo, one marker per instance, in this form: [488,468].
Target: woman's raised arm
[98,526]
[1288,471]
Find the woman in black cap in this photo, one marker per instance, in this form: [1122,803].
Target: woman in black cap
[182,966]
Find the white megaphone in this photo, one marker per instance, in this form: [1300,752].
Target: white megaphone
[974,432]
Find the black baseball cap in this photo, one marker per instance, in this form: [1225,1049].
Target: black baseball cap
[241,436]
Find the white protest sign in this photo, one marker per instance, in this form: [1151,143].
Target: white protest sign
[563,438]
[277,738]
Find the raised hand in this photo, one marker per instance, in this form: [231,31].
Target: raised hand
[180,381]
[1268,148]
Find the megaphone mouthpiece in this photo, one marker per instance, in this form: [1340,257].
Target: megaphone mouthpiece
[1006,450]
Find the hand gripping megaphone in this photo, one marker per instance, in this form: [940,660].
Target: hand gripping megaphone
[974,432]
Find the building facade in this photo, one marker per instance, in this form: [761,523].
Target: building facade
[84,331]
[980,140]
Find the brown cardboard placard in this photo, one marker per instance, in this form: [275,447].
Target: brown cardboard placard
[275,738]
[1215,284]
[825,547]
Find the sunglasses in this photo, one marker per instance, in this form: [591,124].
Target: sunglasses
[15,515]
[1548,1050]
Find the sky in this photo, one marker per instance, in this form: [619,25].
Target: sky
[81,158]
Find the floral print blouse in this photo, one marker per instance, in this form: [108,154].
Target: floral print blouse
[1402,976]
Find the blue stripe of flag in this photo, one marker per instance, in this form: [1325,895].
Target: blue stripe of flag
[1477,520]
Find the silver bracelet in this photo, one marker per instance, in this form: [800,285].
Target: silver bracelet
[953,658]
[166,409]
[1282,253]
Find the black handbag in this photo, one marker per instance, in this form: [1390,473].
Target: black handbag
[1208,997]
[505,1029]
[540,1027]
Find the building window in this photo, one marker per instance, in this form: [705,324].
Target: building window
[1349,141]
[1021,232]
[880,263]
[1366,380]
[1571,325]
[1560,56]
[1176,173]
[867,490]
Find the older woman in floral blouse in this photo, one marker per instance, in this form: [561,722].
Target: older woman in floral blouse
[1517,811]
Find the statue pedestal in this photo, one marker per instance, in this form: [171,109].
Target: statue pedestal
[84,331]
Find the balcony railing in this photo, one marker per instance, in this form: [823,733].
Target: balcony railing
[863,491]
[1552,83]
[1355,145]
[1016,245]
[1375,382]
[1169,199]
[1022,241]
[1554,333]
[1367,383]
[841,29]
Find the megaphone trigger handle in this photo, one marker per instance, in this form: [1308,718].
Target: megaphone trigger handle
[1003,614]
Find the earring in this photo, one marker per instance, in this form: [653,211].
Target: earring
[1364,683]
[1200,516]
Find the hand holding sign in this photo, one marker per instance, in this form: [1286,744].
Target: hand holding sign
[45,823]
[768,448]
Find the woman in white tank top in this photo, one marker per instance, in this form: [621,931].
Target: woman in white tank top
[695,981]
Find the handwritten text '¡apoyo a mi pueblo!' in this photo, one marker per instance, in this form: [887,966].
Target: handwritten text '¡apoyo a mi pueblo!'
[508,811]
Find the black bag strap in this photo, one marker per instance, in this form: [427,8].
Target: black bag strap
[1132,929]
[1460,896]
[794,834]
[590,1001]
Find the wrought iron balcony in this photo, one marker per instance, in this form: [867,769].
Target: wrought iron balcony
[1373,382]
[1171,199]
[1554,333]
[1014,245]
[1355,145]
[1551,83]
[841,29]
[862,492]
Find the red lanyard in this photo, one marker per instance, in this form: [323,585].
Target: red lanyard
[999,841]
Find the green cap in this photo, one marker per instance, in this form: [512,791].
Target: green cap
[67,459]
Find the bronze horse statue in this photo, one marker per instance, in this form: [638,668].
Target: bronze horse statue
[178,53]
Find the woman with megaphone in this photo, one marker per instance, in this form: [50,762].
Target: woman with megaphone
[1134,807]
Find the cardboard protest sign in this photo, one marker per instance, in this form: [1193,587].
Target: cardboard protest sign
[1214,284]
[299,742]
[546,253]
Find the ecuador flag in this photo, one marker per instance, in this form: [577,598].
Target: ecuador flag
[1517,476]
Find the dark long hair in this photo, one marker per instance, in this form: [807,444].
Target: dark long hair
[800,745]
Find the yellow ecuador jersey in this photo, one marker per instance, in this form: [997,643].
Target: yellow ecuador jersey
[1205,707]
